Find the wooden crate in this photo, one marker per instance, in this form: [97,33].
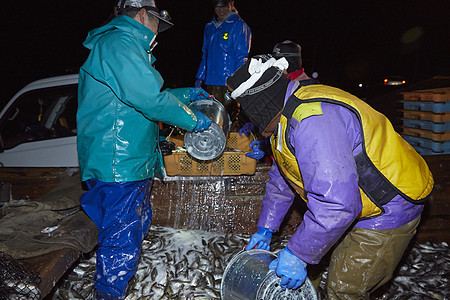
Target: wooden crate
[434,95]
[240,142]
[427,134]
[426,116]
[423,144]
[435,107]
[228,163]
[427,125]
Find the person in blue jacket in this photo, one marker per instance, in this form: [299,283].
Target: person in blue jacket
[120,105]
[226,44]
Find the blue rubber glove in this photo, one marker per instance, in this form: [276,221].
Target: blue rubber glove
[247,129]
[257,152]
[196,94]
[203,122]
[198,83]
[290,268]
[261,239]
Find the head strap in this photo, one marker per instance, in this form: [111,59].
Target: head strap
[256,69]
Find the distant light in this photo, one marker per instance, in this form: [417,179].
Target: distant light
[360,85]
[392,81]
[315,75]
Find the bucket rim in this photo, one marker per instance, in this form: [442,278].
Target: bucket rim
[236,257]
[270,277]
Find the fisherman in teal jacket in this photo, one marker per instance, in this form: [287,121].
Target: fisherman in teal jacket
[120,105]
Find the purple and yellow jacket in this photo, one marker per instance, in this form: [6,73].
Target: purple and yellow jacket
[346,161]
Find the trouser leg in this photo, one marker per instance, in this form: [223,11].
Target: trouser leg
[366,259]
[122,213]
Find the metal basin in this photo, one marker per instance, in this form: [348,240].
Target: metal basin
[248,277]
[210,143]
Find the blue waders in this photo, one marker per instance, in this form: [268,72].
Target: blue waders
[122,213]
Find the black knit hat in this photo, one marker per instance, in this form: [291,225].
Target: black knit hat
[262,101]
[291,51]
[220,2]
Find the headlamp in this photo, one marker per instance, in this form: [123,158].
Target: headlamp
[165,15]
[162,16]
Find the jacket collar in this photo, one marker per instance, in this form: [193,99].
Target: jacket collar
[124,23]
[231,18]
[308,82]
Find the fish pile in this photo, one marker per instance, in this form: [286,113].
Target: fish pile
[189,264]
[423,274]
[174,264]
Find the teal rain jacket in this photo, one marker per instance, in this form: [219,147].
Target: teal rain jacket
[120,102]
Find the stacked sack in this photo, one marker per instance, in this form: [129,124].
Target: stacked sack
[426,120]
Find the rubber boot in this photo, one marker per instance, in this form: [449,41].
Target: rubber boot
[104,296]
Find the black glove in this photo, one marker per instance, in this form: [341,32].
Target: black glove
[166,147]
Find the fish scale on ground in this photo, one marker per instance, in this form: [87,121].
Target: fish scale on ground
[189,264]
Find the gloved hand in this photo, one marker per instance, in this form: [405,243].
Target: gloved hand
[196,94]
[261,239]
[203,122]
[198,83]
[166,147]
[247,129]
[290,268]
[257,152]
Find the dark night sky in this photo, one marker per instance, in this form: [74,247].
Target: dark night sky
[347,42]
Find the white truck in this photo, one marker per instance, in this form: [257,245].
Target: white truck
[38,125]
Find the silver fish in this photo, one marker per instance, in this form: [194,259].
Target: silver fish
[193,269]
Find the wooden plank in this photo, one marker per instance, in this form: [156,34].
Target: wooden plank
[435,95]
[435,224]
[435,229]
[426,116]
[51,267]
[31,183]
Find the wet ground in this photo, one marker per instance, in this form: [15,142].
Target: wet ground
[187,264]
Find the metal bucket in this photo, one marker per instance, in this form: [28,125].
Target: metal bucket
[248,277]
[210,143]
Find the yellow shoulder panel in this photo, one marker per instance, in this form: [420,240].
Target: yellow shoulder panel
[306,110]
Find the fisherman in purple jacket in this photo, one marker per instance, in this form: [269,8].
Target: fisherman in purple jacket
[363,184]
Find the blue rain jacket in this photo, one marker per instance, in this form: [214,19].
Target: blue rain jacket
[120,102]
[225,48]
